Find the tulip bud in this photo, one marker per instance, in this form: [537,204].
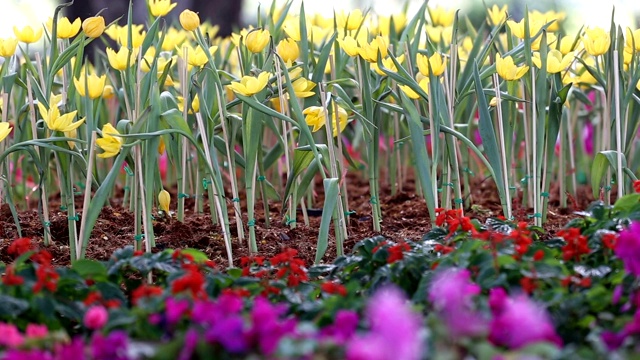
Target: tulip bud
[189,20]
[257,40]
[161,146]
[288,49]
[164,198]
[93,26]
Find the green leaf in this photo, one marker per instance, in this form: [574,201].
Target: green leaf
[198,256]
[301,161]
[601,163]
[89,268]
[627,202]
[12,307]
[331,189]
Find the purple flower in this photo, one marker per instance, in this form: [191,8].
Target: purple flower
[587,135]
[452,293]
[14,354]
[190,342]
[267,327]
[343,328]
[613,340]
[229,333]
[395,330]
[617,294]
[519,321]
[209,312]
[73,350]
[175,308]
[628,248]
[111,347]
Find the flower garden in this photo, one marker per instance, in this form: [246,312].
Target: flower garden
[365,186]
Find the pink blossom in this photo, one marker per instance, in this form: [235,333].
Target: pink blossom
[96,317]
[587,136]
[10,336]
[36,331]
[452,293]
[628,248]
[395,330]
[519,321]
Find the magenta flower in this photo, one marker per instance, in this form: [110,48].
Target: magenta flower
[395,330]
[36,331]
[175,308]
[96,317]
[343,328]
[628,248]
[111,347]
[451,294]
[518,322]
[587,136]
[10,336]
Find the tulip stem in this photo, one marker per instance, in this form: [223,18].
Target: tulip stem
[82,241]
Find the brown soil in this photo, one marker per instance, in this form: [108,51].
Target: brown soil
[405,216]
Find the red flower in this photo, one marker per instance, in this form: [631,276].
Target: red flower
[443,249]
[145,291]
[42,257]
[576,244]
[138,253]
[454,220]
[636,186]
[47,278]
[19,246]
[290,266]
[10,278]
[528,284]
[538,255]
[521,237]
[242,292]
[609,240]
[331,287]
[93,298]
[192,281]
[396,252]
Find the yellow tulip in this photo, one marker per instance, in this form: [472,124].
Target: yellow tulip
[424,85]
[5,130]
[250,85]
[435,61]
[55,121]
[173,39]
[302,87]
[439,34]
[161,146]
[110,142]
[189,20]
[137,37]
[288,50]
[164,199]
[316,117]
[517,28]
[349,45]
[27,34]
[552,17]
[567,44]
[8,47]
[441,16]
[67,29]
[596,41]
[94,83]
[508,70]
[108,92]
[73,134]
[370,51]
[291,26]
[555,61]
[196,57]
[195,104]
[93,26]
[120,59]
[632,39]
[257,40]
[349,21]
[535,44]
[387,63]
[497,14]
[160,7]
[384,23]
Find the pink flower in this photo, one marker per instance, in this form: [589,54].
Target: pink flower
[10,336]
[452,294]
[628,248]
[519,322]
[37,331]
[395,330]
[96,317]
[587,136]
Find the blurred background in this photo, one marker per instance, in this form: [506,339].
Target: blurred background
[232,12]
